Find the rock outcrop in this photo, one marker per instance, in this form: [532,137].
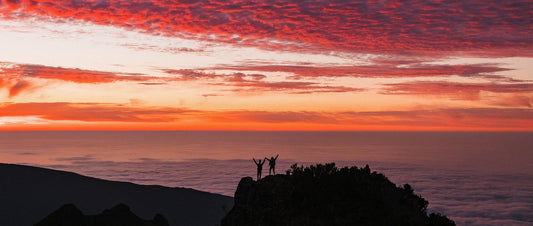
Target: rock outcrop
[119,215]
[326,195]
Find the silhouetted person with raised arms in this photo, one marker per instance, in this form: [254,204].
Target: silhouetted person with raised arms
[259,168]
[272,164]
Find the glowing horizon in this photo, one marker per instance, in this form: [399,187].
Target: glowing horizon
[279,65]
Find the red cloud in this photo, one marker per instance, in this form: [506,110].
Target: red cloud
[70,74]
[18,87]
[356,25]
[469,91]
[15,78]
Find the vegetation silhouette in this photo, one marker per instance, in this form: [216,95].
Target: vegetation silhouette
[326,195]
[272,164]
[259,167]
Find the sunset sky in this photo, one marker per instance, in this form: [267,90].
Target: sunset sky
[266,65]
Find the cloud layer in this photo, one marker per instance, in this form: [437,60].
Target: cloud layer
[457,193]
[358,25]
[18,78]
[444,119]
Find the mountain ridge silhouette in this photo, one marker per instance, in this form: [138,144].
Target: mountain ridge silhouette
[29,194]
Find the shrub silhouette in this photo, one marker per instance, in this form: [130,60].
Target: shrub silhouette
[323,194]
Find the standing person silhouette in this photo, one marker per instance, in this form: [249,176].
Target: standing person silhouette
[259,168]
[272,164]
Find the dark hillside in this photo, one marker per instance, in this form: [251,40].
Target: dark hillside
[28,194]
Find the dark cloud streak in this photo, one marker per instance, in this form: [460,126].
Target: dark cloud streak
[389,69]
[256,82]
[469,91]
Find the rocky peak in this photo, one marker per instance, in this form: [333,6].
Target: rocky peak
[325,195]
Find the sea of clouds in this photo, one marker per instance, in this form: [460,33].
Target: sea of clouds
[467,197]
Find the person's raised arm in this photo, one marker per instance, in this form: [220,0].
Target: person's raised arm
[276,157]
[255,161]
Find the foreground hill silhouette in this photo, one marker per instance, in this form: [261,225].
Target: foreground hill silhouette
[29,194]
[326,195]
[119,215]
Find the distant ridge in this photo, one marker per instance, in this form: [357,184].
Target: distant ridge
[28,194]
[119,215]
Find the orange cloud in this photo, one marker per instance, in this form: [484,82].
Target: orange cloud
[436,118]
[92,112]
[115,116]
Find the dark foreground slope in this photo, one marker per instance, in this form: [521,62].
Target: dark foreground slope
[326,195]
[29,194]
